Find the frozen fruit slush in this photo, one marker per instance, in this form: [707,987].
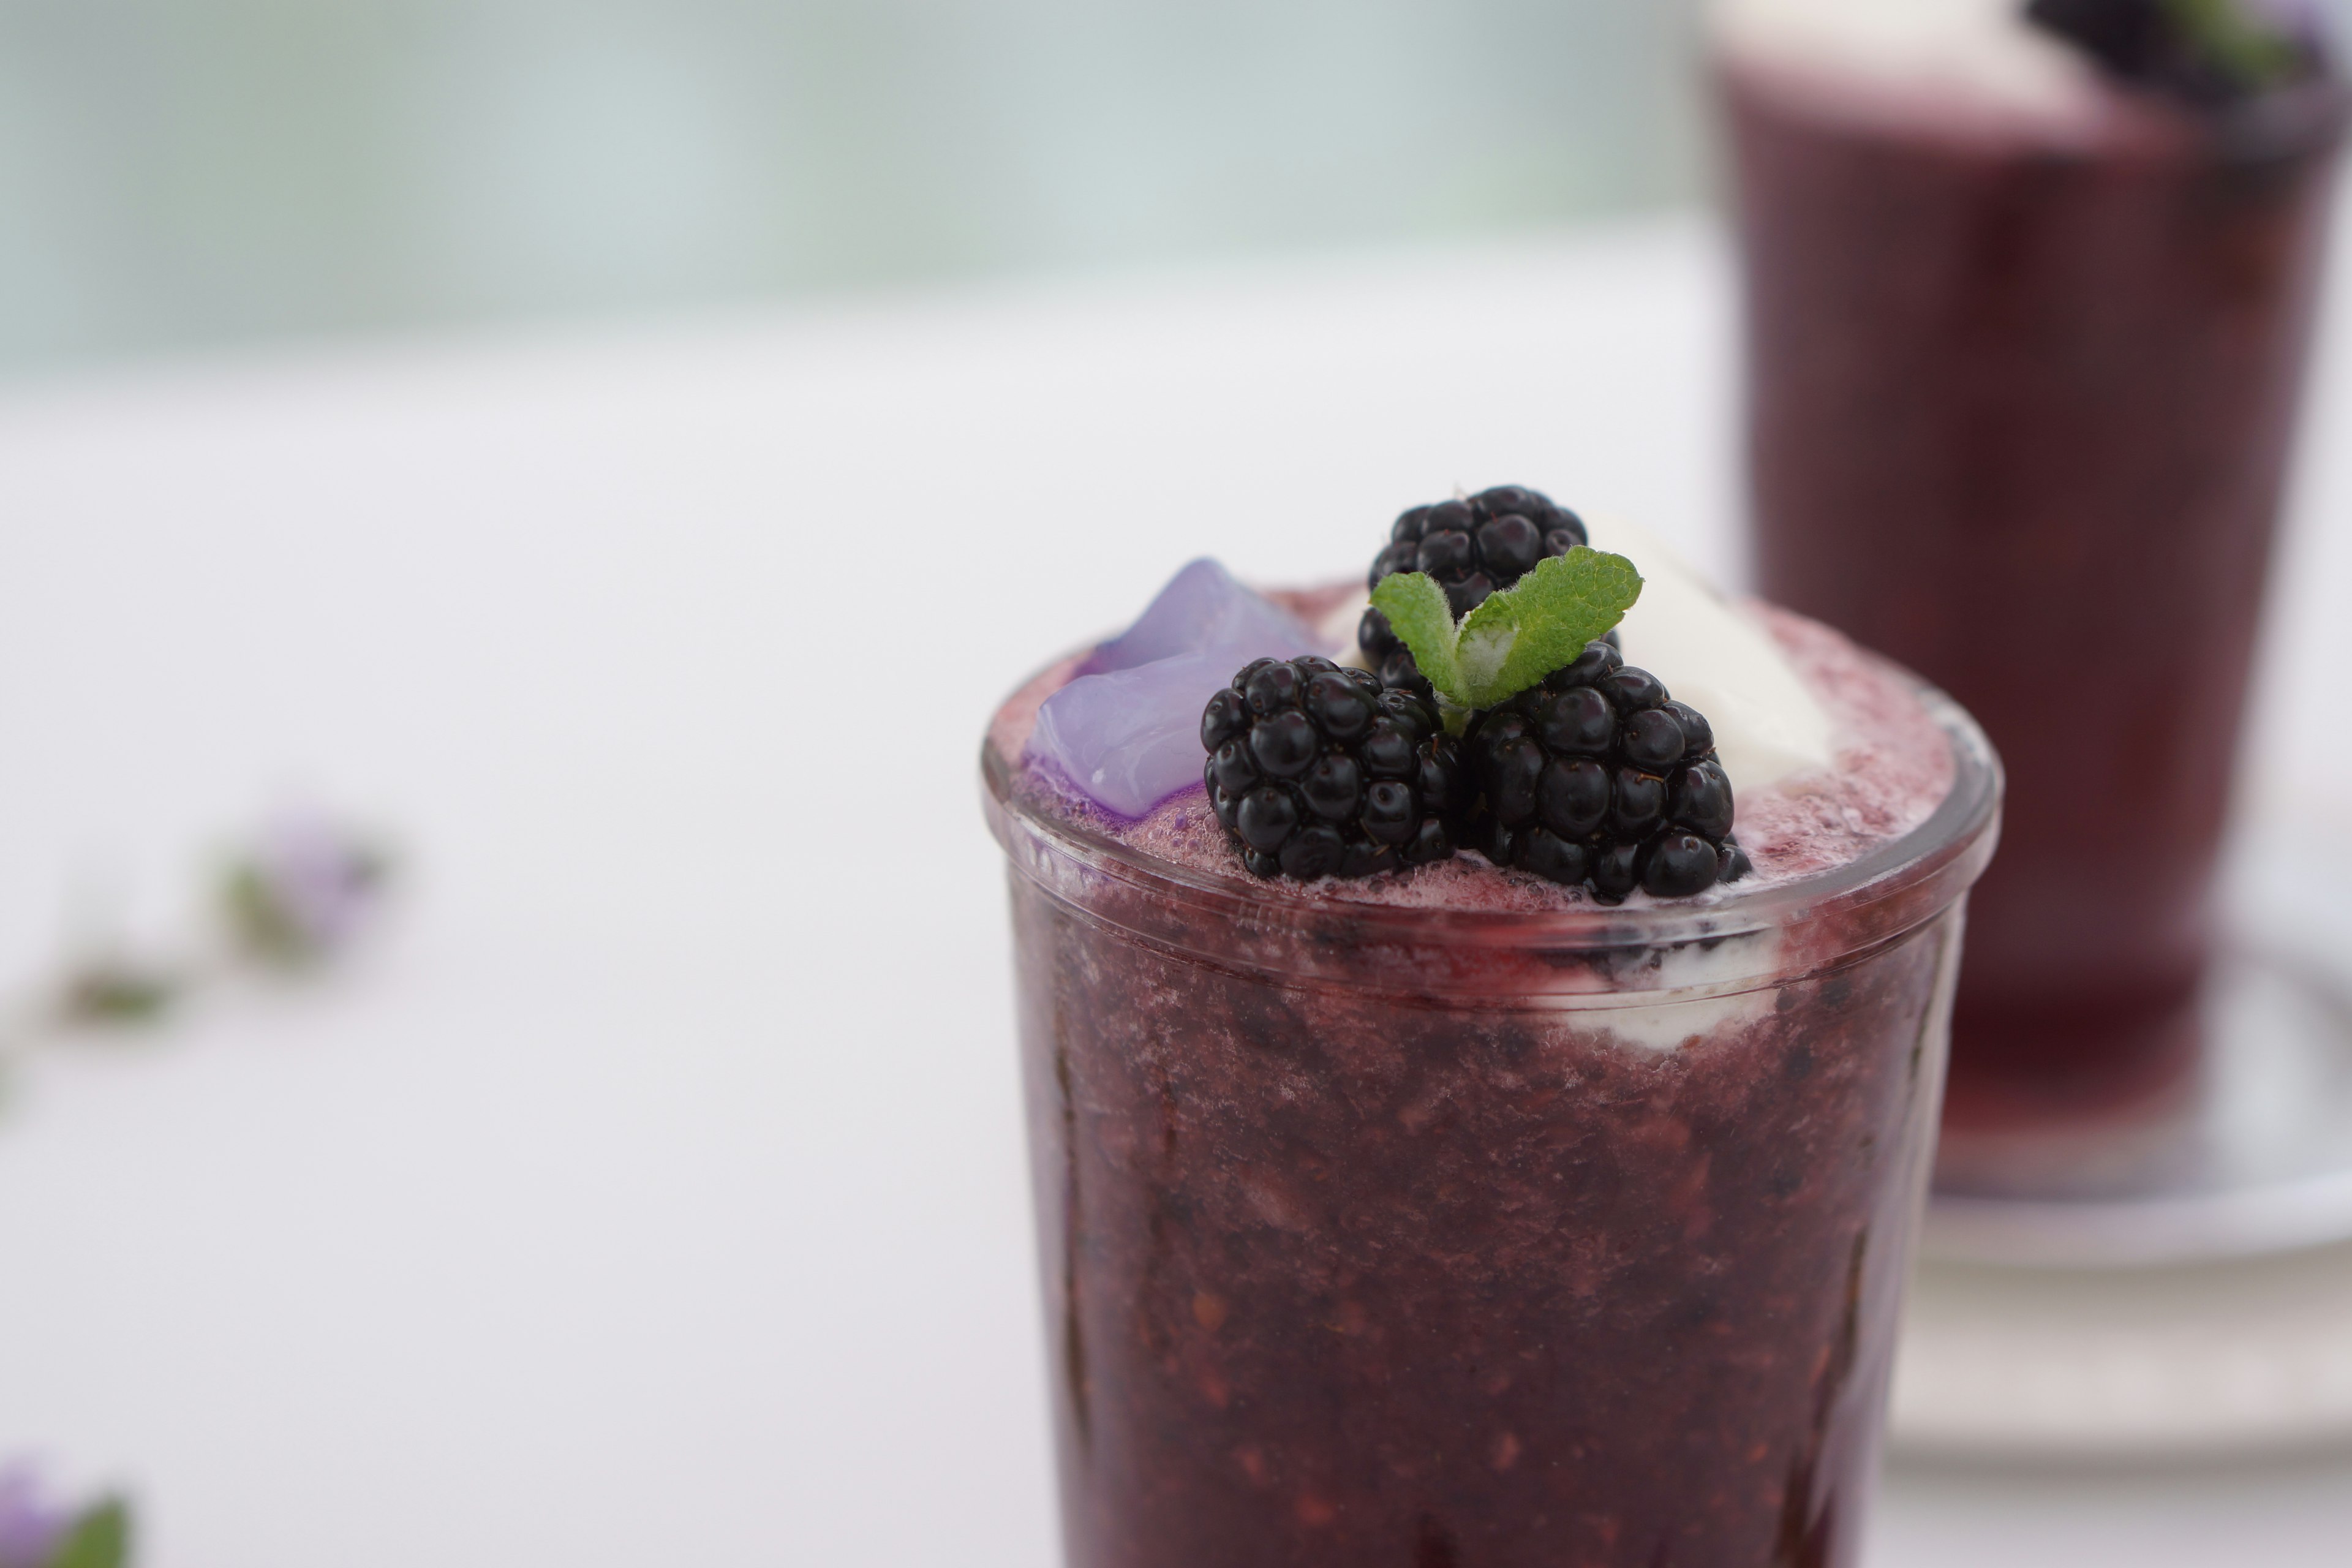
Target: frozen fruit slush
[1452,1218]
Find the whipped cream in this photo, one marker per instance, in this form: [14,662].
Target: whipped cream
[1717,656]
[1977,53]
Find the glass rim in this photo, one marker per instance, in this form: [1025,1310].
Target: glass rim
[1891,887]
[2298,119]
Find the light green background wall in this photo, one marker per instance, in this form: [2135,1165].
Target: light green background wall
[175,173]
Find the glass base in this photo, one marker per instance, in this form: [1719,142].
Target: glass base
[2251,1153]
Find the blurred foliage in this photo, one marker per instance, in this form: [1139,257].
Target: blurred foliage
[100,1537]
[188,171]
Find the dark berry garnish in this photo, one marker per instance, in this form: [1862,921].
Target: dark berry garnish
[1702,798]
[2209,55]
[2124,35]
[1598,777]
[1653,738]
[1681,863]
[1699,735]
[1316,771]
[1616,871]
[1632,689]
[1473,548]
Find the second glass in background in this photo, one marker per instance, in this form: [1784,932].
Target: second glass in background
[2022,393]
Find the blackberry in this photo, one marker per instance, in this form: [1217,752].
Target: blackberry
[1473,548]
[1315,771]
[1599,777]
[2158,45]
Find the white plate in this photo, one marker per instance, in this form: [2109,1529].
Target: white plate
[2192,1360]
[2252,1155]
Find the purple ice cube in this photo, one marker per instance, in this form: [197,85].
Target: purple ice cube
[1127,730]
[1201,608]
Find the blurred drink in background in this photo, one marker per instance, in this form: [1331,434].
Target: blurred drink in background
[2024,345]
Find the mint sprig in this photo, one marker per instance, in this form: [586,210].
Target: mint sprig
[2248,53]
[1519,635]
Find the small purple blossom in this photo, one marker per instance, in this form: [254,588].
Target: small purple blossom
[30,1525]
[303,889]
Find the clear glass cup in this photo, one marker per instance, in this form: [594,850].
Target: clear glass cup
[1384,1235]
[2020,399]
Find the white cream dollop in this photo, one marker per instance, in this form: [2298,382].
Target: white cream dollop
[1718,658]
[1982,53]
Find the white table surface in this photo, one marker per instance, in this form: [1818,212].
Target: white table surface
[655,1193]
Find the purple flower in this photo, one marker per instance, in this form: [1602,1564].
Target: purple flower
[303,889]
[30,1526]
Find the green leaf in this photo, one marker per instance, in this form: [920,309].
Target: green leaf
[108,990]
[1419,614]
[100,1537]
[2240,46]
[1542,621]
[1518,637]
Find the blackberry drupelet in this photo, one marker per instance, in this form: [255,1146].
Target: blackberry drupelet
[1315,770]
[1473,548]
[1598,777]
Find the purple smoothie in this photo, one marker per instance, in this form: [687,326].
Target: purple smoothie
[2021,391]
[1450,1219]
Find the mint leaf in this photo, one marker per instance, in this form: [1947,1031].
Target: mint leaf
[100,1537]
[1542,621]
[1518,637]
[1419,614]
[2244,49]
